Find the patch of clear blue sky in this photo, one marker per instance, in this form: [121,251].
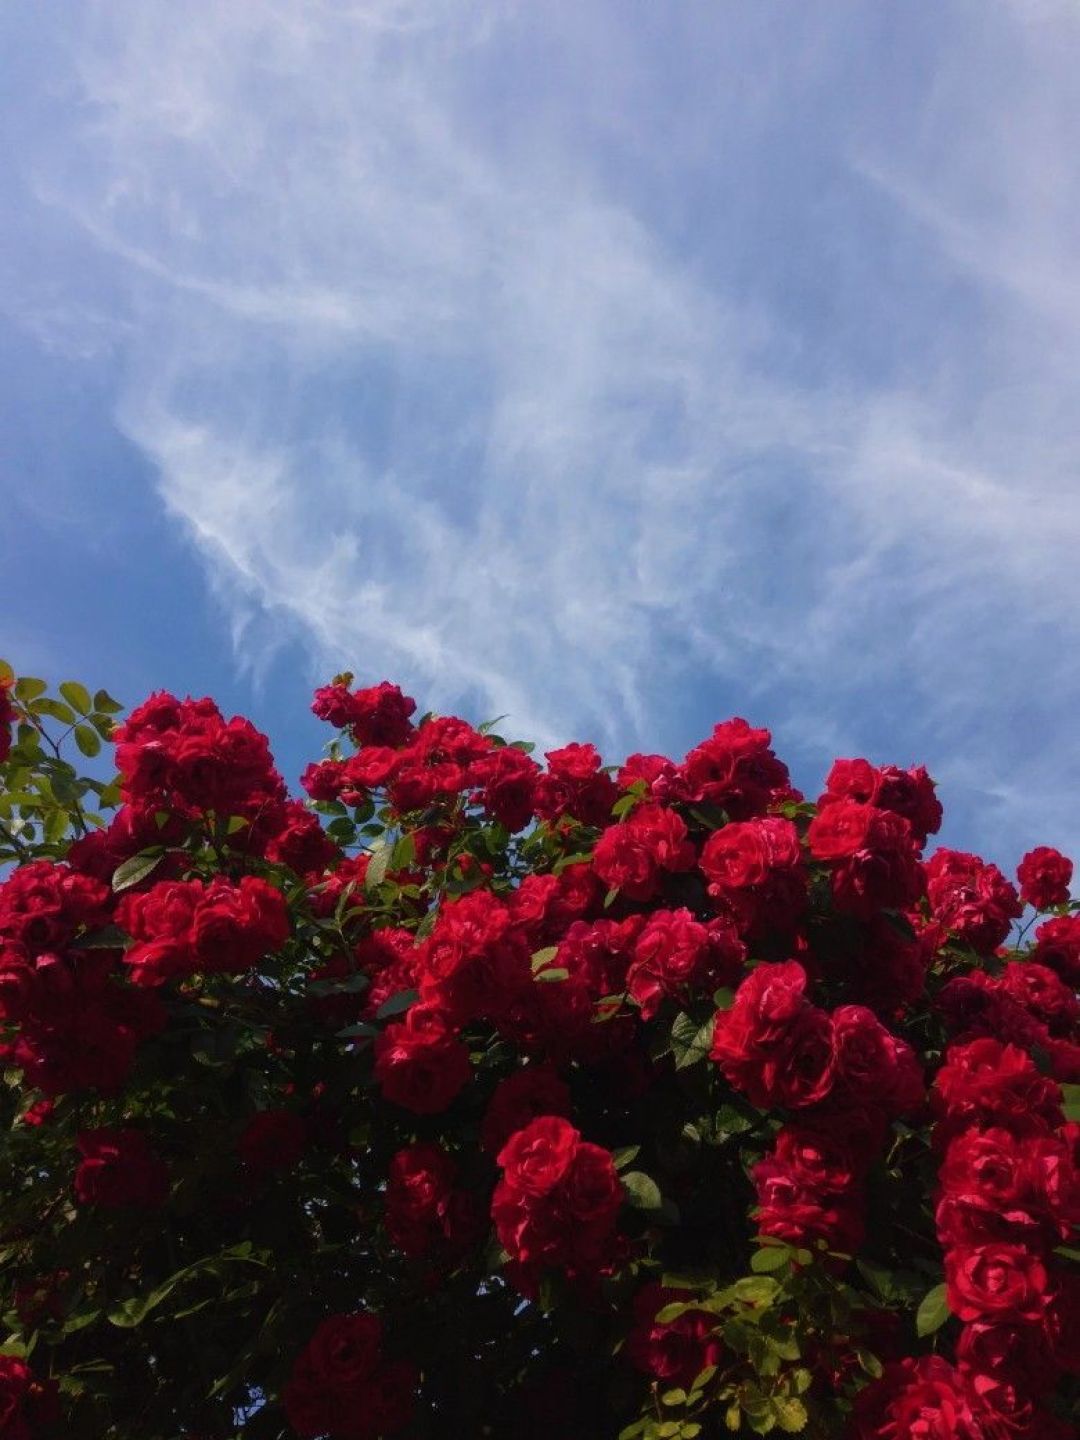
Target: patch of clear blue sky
[623,367]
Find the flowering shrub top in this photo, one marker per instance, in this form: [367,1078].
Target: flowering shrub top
[478,1097]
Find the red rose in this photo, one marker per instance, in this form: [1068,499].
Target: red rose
[1044,875]
[536,1159]
[996,1282]
[736,770]
[236,925]
[300,842]
[908,793]
[507,786]
[420,1064]
[675,954]
[772,1043]
[119,1169]
[633,856]
[971,899]
[924,1398]
[802,1214]
[997,1187]
[755,869]
[575,785]
[985,1083]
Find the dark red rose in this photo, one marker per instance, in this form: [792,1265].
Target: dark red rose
[924,1399]
[874,1066]
[1057,945]
[1013,1352]
[593,1192]
[420,1183]
[345,1349]
[272,1140]
[518,1100]
[677,1351]
[118,1170]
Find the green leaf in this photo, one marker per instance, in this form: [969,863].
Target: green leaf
[55,709]
[377,867]
[28,688]
[555,973]
[130,1313]
[80,1321]
[933,1311]
[77,695]
[88,741]
[397,1004]
[105,703]
[137,868]
[1071,1094]
[690,1042]
[877,1277]
[770,1258]
[625,1156]
[790,1413]
[641,1191]
[543,957]
[360,1029]
[756,1289]
[724,998]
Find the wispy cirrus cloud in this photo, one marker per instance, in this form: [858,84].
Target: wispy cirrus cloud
[618,376]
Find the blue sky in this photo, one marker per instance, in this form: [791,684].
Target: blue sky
[619,366]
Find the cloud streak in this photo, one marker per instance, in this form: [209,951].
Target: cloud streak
[616,378]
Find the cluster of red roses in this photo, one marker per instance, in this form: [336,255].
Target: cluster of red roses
[556,1204]
[342,1385]
[74,1025]
[185,927]
[845,1074]
[499,993]
[1009,1193]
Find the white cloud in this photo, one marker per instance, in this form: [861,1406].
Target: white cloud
[437,379]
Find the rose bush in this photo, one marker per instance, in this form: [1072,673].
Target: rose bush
[478,1097]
